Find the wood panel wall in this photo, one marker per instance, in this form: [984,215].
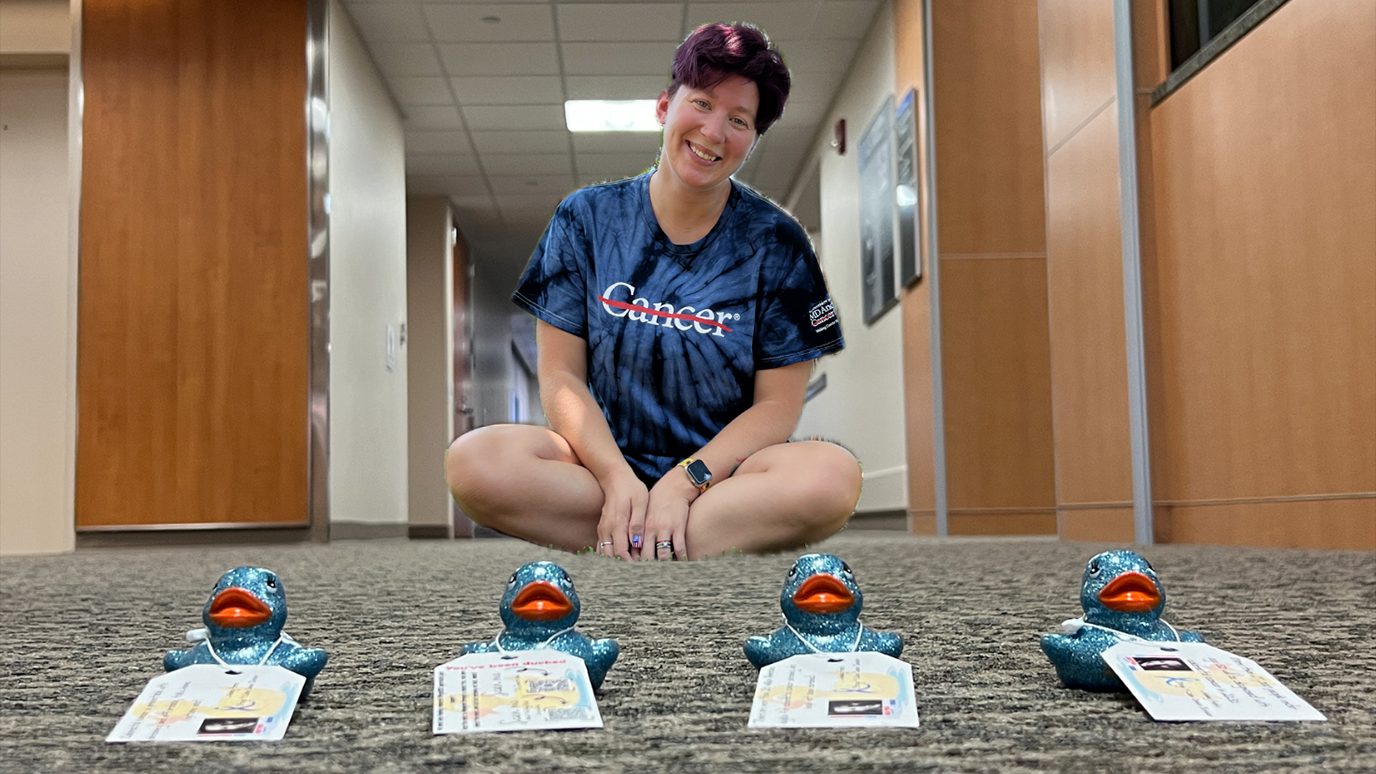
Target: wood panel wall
[991,227]
[1093,448]
[1263,291]
[193,320]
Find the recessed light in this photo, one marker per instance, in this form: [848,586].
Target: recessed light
[492,19]
[611,115]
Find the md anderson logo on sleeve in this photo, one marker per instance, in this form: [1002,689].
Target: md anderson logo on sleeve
[619,300]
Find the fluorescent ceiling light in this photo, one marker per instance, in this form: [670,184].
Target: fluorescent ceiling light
[611,115]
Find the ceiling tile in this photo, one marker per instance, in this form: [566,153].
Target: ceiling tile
[450,164]
[521,142]
[612,165]
[780,21]
[406,59]
[461,59]
[818,56]
[378,22]
[618,142]
[436,143]
[615,86]
[620,21]
[452,23]
[846,18]
[421,90]
[816,87]
[531,184]
[529,204]
[481,117]
[620,59]
[472,186]
[527,164]
[432,117]
[508,90]
[798,112]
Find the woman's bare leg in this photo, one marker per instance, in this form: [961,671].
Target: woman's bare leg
[782,497]
[527,482]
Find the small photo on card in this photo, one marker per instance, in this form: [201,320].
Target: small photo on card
[854,707]
[212,726]
[1161,664]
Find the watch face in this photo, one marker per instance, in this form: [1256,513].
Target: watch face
[698,472]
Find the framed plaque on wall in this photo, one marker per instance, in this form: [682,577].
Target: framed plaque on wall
[908,191]
[876,160]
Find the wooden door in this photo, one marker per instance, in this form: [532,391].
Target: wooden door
[192,316]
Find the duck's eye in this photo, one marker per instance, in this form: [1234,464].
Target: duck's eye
[512,580]
[845,568]
[272,581]
[565,575]
[1093,568]
[1149,567]
[793,572]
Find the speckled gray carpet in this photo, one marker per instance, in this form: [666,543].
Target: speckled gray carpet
[82,634]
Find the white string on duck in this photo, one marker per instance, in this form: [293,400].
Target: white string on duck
[1074,625]
[860,632]
[202,635]
[498,640]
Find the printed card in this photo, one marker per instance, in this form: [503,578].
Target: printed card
[208,703]
[1195,681]
[514,691]
[835,690]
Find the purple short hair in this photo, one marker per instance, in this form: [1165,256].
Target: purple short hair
[714,52]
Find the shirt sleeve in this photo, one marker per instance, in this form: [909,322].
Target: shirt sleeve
[798,320]
[553,286]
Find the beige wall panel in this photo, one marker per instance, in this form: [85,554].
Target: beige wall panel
[988,125]
[1265,283]
[1323,524]
[1150,51]
[192,351]
[997,384]
[1077,63]
[1097,525]
[1085,294]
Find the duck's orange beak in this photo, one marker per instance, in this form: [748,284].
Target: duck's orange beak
[823,594]
[1131,592]
[541,601]
[237,608]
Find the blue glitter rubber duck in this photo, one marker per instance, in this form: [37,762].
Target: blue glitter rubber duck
[821,604]
[243,625]
[540,609]
[1122,600]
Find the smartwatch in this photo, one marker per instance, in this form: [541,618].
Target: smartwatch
[697,473]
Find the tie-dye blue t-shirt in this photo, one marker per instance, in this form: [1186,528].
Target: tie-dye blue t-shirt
[676,332]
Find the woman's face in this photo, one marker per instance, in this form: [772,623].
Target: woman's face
[708,133]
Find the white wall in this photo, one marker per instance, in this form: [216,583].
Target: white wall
[430,345]
[30,28]
[37,326]
[862,405]
[368,421]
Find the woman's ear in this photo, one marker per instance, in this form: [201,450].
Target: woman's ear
[662,107]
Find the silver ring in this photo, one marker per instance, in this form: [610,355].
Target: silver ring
[605,543]
[664,545]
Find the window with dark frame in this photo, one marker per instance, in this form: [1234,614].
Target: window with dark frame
[1193,23]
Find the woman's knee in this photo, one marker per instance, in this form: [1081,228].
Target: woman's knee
[473,465]
[832,482]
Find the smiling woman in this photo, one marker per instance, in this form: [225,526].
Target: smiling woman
[677,322]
